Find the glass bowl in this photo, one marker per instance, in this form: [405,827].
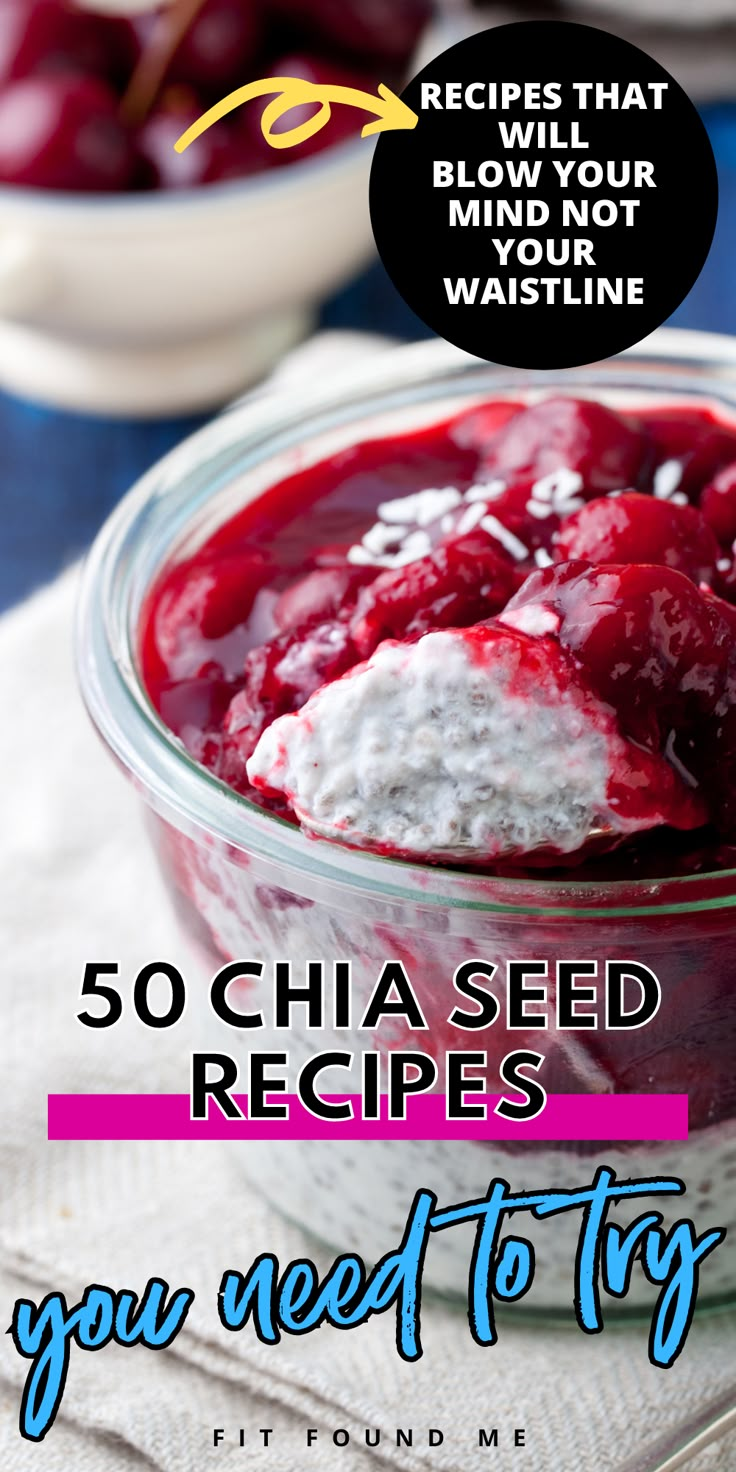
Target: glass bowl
[247,885]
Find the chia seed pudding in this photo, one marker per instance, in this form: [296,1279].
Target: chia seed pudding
[470,685]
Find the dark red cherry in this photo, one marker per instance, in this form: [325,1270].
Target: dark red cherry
[557,433]
[219,48]
[386,30]
[311,644]
[461,582]
[636,528]
[320,595]
[655,647]
[63,132]
[718,504]
[279,676]
[222,152]
[343,123]
[48,36]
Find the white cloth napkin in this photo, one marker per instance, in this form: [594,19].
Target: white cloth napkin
[77,882]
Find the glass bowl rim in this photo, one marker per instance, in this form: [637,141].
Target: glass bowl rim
[179,788]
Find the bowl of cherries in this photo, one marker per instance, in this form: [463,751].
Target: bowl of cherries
[135,279]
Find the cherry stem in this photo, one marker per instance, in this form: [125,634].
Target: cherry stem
[168,32]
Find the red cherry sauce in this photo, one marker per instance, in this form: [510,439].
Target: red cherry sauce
[619,526]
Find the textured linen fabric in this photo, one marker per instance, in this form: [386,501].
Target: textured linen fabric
[78,882]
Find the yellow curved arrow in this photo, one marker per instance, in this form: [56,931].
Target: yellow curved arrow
[390,112]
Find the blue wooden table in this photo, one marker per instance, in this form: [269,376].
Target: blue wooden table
[61,473]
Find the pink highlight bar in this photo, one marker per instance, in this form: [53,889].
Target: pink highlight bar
[605,1117]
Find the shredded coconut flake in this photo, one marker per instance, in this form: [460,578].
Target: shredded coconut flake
[417,544]
[542,557]
[540,509]
[373,551]
[724,564]
[472,517]
[489,492]
[667,478]
[422,508]
[380,537]
[501,533]
[559,485]
[359,556]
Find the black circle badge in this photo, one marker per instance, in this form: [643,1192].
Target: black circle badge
[556,200]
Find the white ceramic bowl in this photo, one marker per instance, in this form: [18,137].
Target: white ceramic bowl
[172,302]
